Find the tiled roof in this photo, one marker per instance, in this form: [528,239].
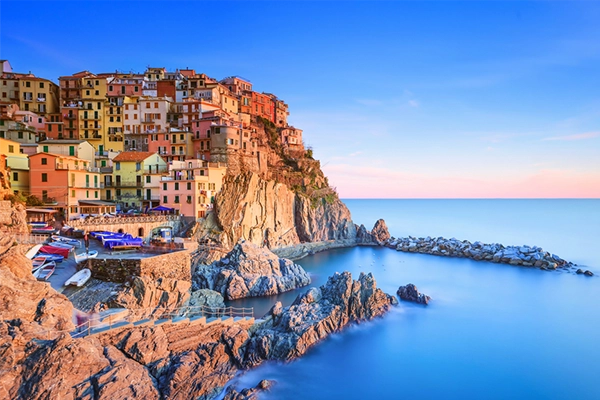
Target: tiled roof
[136,156]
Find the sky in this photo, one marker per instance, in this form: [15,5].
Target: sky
[397,99]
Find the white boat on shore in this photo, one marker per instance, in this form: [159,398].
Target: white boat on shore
[79,258]
[79,278]
[33,251]
[61,245]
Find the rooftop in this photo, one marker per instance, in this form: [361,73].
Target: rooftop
[136,156]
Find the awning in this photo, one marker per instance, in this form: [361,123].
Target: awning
[161,208]
[98,203]
[40,210]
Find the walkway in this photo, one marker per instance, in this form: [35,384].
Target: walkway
[117,318]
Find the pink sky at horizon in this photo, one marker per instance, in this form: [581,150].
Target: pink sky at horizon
[378,183]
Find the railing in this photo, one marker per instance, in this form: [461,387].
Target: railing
[113,321]
[128,184]
[61,166]
[121,220]
[30,239]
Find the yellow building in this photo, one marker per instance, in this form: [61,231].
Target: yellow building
[136,180]
[38,95]
[18,164]
[91,117]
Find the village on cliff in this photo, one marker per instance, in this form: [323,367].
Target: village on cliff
[98,143]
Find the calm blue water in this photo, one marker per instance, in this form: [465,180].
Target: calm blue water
[492,331]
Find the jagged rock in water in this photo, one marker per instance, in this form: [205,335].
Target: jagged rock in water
[288,332]
[410,293]
[249,271]
[248,394]
[378,236]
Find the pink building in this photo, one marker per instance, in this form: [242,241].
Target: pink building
[191,186]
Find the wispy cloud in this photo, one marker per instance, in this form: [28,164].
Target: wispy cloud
[414,103]
[577,136]
[356,153]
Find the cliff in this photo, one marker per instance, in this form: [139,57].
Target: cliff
[268,212]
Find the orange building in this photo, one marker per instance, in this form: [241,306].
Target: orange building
[262,106]
[63,182]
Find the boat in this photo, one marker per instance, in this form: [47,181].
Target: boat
[47,230]
[61,245]
[44,272]
[100,234]
[57,258]
[69,241]
[79,278]
[79,258]
[33,251]
[55,250]
[124,244]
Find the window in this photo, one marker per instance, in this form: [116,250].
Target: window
[189,199]
[155,105]
[118,165]
[138,166]
[44,161]
[110,88]
[147,178]
[176,199]
[164,185]
[27,84]
[165,199]
[87,194]
[15,176]
[96,194]
[11,148]
[176,185]
[87,92]
[135,88]
[44,177]
[72,193]
[147,105]
[41,85]
[44,195]
[189,186]
[45,149]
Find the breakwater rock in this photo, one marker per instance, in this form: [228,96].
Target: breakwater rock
[527,256]
[250,271]
[289,332]
[379,235]
[410,293]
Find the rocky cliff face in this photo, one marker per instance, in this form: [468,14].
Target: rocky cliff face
[260,211]
[250,271]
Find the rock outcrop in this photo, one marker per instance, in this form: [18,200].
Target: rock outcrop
[23,298]
[527,256]
[268,212]
[378,236]
[288,332]
[410,293]
[204,299]
[143,295]
[250,271]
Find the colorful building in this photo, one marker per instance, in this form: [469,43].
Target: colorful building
[68,147]
[18,163]
[137,179]
[191,185]
[62,182]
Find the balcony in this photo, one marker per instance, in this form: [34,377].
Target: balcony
[148,120]
[71,167]
[129,184]
[96,136]
[101,154]
[89,116]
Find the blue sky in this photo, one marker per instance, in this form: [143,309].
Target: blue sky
[398,99]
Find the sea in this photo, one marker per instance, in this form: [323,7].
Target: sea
[491,331]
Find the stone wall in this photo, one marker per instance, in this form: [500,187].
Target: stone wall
[131,225]
[176,265]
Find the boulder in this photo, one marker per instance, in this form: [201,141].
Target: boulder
[248,394]
[410,293]
[250,271]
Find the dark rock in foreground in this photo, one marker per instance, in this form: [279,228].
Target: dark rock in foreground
[410,293]
[250,271]
[289,332]
[586,272]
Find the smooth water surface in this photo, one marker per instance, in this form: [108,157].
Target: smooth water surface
[491,331]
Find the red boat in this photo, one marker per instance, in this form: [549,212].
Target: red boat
[55,250]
